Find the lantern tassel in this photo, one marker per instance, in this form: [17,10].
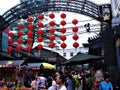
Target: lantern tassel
[39,51]
[9,54]
[29,53]
[18,54]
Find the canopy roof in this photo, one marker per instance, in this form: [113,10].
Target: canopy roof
[82,58]
[34,64]
[48,66]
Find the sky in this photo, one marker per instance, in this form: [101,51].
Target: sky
[5,5]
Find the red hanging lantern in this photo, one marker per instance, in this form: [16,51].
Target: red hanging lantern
[52,30]
[75,44]
[40,32]
[11,34]
[51,15]
[30,26]
[40,24]
[29,33]
[41,16]
[30,19]
[52,45]
[63,45]
[29,40]
[19,41]
[75,29]
[10,41]
[63,15]
[18,48]
[52,23]
[63,30]
[20,26]
[20,33]
[63,22]
[40,47]
[52,38]
[75,21]
[40,39]
[10,49]
[75,37]
[63,37]
[29,48]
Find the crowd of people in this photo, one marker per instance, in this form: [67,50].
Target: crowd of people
[58,80]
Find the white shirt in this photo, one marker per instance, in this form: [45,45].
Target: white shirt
[63,87]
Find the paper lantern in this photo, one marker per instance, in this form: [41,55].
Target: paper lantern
[11,34]
[75,29]
[40,32]
[63,37]
[51,15]
[29,40]
[20,26]
[52,30]
[10,41]
[63,45]
[75,44]
[40,24]
[75,21]
[52,45]
[40,47]
[52,23]
[29,48]
[40,39]
[41,16]
[63,15]
[20,33]
[63,30]
[29,33]
[51,37]
[63,22]
[30,26]
[19,41]
[75,37]
[10,49]
[18,48]
[30,19]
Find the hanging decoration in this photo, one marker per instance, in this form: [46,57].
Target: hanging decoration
[75,36]
[63,30]
[52,31]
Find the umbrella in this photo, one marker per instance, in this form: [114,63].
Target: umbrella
[48,66]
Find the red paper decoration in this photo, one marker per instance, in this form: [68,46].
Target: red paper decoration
[63,22]
[40,24]
[30,26]
[52,45]
[63,30]
[20,26]
[52,30]
[29,33]
[40,32]
[40,47]
[11,34]
[41,16]
[75,21]
[75,29]
[10,41]
[51,37]
[40,39]
[63,45]
[63,15]
[29,40]
[19,41]
[30,19]
[29,48]
[75,44]
[20,33]
[51,15]
[10,49]
[63,37]
[52,23]
[75,37]
[18,48]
